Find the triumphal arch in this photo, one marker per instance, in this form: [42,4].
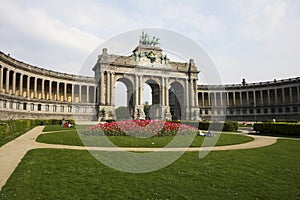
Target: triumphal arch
[173,84]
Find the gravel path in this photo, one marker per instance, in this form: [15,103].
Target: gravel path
[12,152]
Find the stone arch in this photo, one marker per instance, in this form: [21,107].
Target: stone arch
[176,100]
[130,94]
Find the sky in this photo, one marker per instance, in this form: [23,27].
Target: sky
[253,39]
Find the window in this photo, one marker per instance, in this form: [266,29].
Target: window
[69,108]
[287,109]
[32,107]
[258,110]
[46,108]
[266,110]
[39,107]
[272,110]
[54,108]
[76,109]
[84,109]
[206,111]
[11,105]
[18,105]
[280,110]
[62,109]
[24,106]
[4,103]
[295,109]
[251,111]
[91,109]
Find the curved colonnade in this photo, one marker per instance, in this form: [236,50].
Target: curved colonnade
[278,99]
[27,91]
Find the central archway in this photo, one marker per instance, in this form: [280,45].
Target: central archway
[176,100]
[155,109]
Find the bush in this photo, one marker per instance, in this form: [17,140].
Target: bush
[278,128]
[227,126]
[12,126]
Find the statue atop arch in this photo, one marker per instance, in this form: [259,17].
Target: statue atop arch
[146,39]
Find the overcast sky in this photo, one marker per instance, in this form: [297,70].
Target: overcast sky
[257,40]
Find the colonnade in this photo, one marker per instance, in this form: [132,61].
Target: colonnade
[264,99]
[32,86]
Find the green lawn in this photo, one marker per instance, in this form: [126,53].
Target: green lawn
[70,137]
[11,136]
[271,172]
[50,128]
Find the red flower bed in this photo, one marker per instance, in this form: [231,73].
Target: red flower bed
[145,128]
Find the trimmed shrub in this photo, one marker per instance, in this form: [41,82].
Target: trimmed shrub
[12,126]
[278,128]
[227,126]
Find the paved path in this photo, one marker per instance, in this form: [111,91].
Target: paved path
[12,152]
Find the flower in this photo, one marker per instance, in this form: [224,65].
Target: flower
[146,128]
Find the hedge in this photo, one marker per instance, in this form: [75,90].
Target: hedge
[227,126]
[11,126]
[277,128]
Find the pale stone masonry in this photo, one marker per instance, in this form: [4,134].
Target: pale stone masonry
[27,91]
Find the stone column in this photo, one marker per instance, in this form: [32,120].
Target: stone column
[233,96]
[136,90]
[269,99]
[102,88]
[187,105]
[108,88]
[241,99]
[261,97]
[275,93]
[73,93]
[35,87]
[247,96]
[196,103]
[1,79]
[191,86]
[43,88]
[50,89]
[28,87]
[112,92]
[87,94]
[57,91]
[291,94]
[203,99]
[79,88]
[14,83]
[21,85]
[95,94]
[283,97]
[163,90]
[7,82]
[141,90]
[227,99]
[254,98]
[167,91]
[208,98]
[221,98]
[65,92]
[298,94]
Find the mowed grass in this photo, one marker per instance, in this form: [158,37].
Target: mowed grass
[271,172]
[71,137]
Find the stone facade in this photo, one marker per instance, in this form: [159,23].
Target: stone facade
[27,91]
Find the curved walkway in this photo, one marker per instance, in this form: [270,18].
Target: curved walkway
[12,152]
